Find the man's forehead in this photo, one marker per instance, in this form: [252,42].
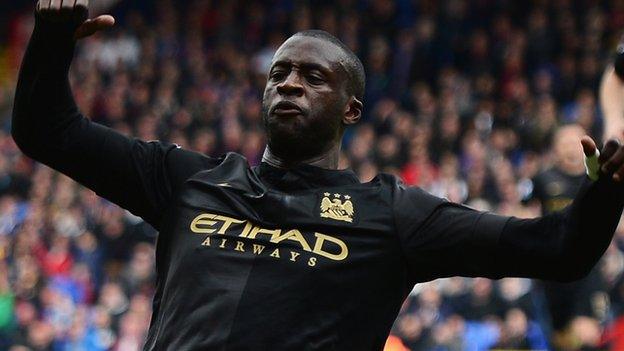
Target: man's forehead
[305,49]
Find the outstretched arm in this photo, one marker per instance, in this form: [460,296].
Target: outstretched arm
[47,126]
[563,246]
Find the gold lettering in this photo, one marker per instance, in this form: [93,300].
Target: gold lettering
[227,222]
[206,242]
[246,230]
[239,246]
[275,253]
[318,247]
[257,249]
[293,235]
[324,245]
[293,255]
[203,219]
[257,230]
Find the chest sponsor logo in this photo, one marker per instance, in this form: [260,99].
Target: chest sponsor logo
[334,208]
[223,232]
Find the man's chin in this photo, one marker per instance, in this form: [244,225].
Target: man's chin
[285,128]
[290,144]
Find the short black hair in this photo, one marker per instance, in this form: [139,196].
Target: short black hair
[353,65]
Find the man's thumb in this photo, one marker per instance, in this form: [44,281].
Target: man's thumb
[592,166]
[91,26]
[589,146]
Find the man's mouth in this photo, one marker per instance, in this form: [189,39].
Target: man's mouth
[286,108]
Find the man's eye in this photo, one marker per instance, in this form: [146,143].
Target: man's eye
[277,75]
[315,79]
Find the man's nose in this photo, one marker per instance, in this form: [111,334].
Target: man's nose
[291,85]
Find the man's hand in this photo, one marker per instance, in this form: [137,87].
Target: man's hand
[611,159]
[75,11]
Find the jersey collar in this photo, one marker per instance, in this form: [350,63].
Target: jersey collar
[305,176]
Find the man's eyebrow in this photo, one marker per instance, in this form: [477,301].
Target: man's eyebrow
[281,63]
[304,65]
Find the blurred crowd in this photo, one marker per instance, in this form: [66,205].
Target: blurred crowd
[463,99]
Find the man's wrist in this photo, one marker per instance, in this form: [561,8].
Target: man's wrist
[56,30]
[54,44]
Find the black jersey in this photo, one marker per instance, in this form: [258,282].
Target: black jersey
[287,259]
[555,189]
[298,259]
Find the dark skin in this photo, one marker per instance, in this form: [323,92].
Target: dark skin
[308,73]
[306,104]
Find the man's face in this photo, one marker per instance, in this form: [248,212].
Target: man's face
[305,98]
[568,151]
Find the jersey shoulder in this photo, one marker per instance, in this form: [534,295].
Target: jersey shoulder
[411,205]
[185,164]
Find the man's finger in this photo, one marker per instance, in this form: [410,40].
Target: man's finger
[86,29]
[67,5]
[589,146]
[104,21]
[43,5]
[608,150]
[619,174]
[55,4]
[592,167]
[614,162]
[93,25]
[82,3]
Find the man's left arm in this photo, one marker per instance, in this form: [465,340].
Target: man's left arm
[564,246]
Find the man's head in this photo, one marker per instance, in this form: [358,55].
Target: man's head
[568,153]
[313,92]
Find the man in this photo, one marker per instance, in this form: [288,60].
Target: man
[555,188]
[292,254]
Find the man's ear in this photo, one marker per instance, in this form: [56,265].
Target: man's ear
[353,111]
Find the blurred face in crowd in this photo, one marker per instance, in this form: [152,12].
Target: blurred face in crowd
[306,105]
[568,152]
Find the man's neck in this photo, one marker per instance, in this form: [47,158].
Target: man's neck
[327,160]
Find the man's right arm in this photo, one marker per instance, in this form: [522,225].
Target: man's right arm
[48,127]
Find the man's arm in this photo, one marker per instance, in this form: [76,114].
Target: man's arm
[47,126]
[456,240]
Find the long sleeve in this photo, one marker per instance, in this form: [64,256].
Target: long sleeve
[564,245]
[47,126]
[450,239]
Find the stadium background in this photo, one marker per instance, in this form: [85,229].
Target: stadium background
[462,98]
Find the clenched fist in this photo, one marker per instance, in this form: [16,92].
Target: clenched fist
[75,11]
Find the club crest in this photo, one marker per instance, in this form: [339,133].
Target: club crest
[334,208]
